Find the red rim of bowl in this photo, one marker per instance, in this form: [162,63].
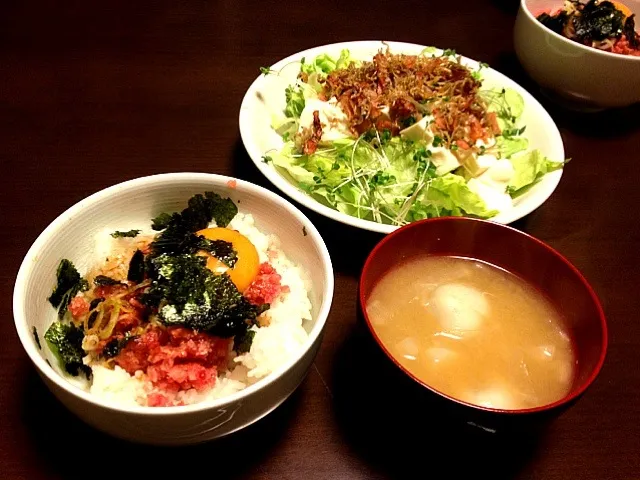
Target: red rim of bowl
[564,400]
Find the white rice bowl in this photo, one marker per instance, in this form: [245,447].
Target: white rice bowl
[130,205]
[273,344]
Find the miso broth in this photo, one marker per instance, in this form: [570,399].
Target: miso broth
[473,331]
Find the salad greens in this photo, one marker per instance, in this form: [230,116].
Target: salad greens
[529,169]
[395,179]
[295,102]
[324,64]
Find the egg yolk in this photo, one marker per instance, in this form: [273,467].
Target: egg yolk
[622,7]
[248,263]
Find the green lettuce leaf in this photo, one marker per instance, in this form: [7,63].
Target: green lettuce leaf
[506,103]
[514,102]
[392,183]
[285,127]
[429,51]
[294,167]
[345,59]
[509,146]
[450,195]
[294,97]
[314,83]
[529,168]
[325,64]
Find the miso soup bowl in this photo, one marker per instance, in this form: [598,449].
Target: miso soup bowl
[131,205]
[526,257]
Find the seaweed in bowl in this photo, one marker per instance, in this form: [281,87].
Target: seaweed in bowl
[196,308]
[605,25]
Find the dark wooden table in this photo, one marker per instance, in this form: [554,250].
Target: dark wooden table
[92,95]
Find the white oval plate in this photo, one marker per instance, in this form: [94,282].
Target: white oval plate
[266,95]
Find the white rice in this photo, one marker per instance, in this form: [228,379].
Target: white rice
[272,346]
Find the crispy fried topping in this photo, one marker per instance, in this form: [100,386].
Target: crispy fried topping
[310,144]
[394,91]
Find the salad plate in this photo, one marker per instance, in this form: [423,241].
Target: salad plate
[381,179]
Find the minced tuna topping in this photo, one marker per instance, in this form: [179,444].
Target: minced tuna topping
[178,311]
